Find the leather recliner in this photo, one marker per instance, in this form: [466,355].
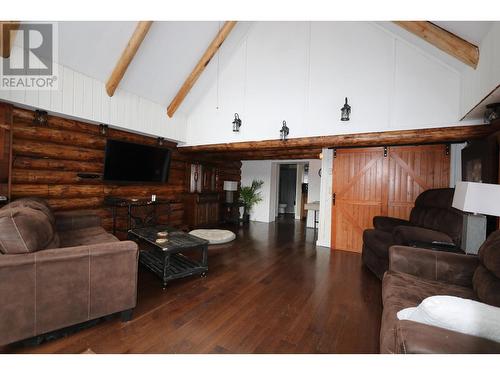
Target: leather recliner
[432,219]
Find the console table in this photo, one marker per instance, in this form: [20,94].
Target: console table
[134,220]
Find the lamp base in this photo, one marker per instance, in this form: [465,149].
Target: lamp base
[229,196]
[473,233]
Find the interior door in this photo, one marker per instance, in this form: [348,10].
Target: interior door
[412,170]
[359,194]
[375,181]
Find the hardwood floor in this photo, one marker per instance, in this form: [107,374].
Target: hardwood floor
[270,291]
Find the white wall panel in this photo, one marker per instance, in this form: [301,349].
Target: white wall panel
[477,83]
[82,97]
[426,93]
[302,71]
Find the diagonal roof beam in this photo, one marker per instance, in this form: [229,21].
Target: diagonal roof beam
[7,35]
[200,67]
[450,43]
[128,54]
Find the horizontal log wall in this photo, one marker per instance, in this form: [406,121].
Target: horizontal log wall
[47,160]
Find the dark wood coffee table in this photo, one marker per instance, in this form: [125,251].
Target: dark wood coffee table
[167,260]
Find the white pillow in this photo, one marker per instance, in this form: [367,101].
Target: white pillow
[456,314]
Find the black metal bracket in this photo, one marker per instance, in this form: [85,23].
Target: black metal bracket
[334,153]
[447,149]
[40,118]
[385,151]
[103,129]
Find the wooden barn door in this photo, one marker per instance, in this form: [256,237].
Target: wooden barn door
[381,181]
[359,194]
[412,170]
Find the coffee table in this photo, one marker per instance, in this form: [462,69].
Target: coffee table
[167,260]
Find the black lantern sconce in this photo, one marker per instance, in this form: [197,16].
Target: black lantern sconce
[492,112]
[40,118]
[345,111]
[236,123]
[160,141]
[284,131]
[103,129]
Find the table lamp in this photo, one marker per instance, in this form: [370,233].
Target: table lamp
[479,200]
[230,187]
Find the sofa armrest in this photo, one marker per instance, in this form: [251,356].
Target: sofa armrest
[434,265]
[418,338]
[52,289]
[71,220]
[405,235]
[387,224]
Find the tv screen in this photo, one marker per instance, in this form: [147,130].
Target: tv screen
[131,162]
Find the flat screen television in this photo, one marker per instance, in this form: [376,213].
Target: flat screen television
[131,162]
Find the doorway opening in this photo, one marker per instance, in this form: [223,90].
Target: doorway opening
[287,190]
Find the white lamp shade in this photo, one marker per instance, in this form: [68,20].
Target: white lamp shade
[477,198]
[230,185]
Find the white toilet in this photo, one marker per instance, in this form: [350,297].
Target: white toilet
[282,208]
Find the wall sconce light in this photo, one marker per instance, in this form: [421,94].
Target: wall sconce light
[40,118]
[103,129]
[320,156]
[161,141]
[284,131]
[236,123]
[345,111]
[492,112]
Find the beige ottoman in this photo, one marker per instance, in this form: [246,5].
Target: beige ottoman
[214,236]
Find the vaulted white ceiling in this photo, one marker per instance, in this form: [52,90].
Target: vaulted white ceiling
[172,49]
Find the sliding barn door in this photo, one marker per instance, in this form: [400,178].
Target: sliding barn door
[359,194]
[412,170]
[375,181]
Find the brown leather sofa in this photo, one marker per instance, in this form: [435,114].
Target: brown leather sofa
[415,274]
[60,270]
[432,219]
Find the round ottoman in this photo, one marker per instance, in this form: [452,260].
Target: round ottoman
[214,236]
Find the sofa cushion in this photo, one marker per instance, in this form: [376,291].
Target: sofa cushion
[24,230]
[407,290]
[378,241]
[34,203]
[85,236]
[401,290]
[486,286]
[489,253]
[433,210]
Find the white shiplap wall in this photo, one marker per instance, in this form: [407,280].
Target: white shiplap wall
[301,71]
[478,83]
[85,98]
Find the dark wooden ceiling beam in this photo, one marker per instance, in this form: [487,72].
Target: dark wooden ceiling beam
[395,138]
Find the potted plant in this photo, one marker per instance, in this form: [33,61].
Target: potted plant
[250,196]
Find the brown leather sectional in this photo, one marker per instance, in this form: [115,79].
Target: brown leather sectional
[415,274]
[432,219]
[59,270]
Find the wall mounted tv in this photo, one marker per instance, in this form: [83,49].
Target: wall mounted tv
[130,162]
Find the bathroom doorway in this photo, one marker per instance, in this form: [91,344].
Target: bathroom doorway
[287,189]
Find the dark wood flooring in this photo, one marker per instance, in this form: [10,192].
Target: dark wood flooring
[270,291]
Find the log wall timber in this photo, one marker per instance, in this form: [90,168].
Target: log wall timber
[390,138]
[47,160]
